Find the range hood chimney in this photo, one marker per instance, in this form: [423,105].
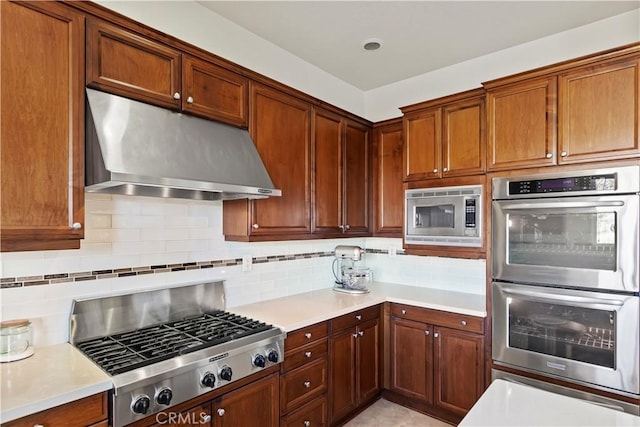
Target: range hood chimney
[142,150]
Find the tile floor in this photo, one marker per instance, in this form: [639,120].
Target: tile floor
[387,414]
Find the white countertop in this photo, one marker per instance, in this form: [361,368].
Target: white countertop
[59,374]
[514,405]
[297,311]
[53,376]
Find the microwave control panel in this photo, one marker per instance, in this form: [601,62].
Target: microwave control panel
[568,184]
[470,213]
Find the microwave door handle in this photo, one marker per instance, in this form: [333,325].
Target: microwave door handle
[561,205]
[583,302]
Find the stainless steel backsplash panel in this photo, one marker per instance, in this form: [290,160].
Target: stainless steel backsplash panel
[104,316]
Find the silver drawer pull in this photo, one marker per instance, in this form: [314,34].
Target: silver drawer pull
[358,317]
[436,335]
[463,322]
[361,333]
[306,423]
[220,412]
[307,335]
[206,418]
[307,384]
[355,335]
[426,332]
[176,95]
[404,311]
[307,353]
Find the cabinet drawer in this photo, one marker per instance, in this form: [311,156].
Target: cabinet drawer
[313,414]
[81,412]
[301,355]
[305,335]
[303,384]
[355,318]
[461,322]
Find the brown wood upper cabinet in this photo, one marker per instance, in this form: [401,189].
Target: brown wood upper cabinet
[388,194]
[42,133]
[280,127]
[340,177]
[580,111]
[127,64]
[445,137]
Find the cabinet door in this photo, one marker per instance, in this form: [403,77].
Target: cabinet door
[459,369]
[356,179]
[280,130]
[521,121]
[327,176]
[598,112]
[342,374]
[368,361]
[127,64]
[422,144]
[255,404]
[42,136]
[200,416]
[388,194]
[213,92]
[463,140]
[412,359]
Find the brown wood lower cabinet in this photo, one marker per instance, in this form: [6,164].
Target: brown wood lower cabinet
[88,411]
[304,378]
[354,349]
[436,361]
[252,405]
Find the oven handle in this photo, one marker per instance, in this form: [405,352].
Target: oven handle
[583,302]
[561,205]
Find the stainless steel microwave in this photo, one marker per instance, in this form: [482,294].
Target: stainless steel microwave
[446,216]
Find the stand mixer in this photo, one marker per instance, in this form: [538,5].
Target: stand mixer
[349,279]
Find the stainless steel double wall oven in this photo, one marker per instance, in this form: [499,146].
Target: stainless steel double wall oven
[565,276]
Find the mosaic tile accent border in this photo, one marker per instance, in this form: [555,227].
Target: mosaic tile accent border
[49,279]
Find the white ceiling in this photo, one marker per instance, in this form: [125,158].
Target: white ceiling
[417,36]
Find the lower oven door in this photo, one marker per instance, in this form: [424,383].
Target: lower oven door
[583,336]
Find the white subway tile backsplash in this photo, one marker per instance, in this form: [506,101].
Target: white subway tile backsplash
[128,231]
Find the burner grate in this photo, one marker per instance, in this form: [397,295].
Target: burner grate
[126,351]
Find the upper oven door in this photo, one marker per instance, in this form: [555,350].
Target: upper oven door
[589,242]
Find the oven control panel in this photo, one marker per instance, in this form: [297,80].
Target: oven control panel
[605,182]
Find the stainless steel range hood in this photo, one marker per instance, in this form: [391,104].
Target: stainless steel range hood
[138,149]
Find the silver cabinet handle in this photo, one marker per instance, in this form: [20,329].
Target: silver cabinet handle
[436,335]
[255,226]
[176,95]
[361,333]
[190,100]
[435,171]
[341,227]
[307,354]
[358,317]
[307,384]
[206,418]
[563,154]
[404,311]
[463,322]
[38,425]
[307,335]
[306,423]
[347,227]
[549,155]
[220,412]
[355,335]
[76,226]
[445,169]
[426,332]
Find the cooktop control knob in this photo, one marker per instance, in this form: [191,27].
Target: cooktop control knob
[259,361]
[141,404]
[164,396]
[273,356]
[208,380]
[226,373]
